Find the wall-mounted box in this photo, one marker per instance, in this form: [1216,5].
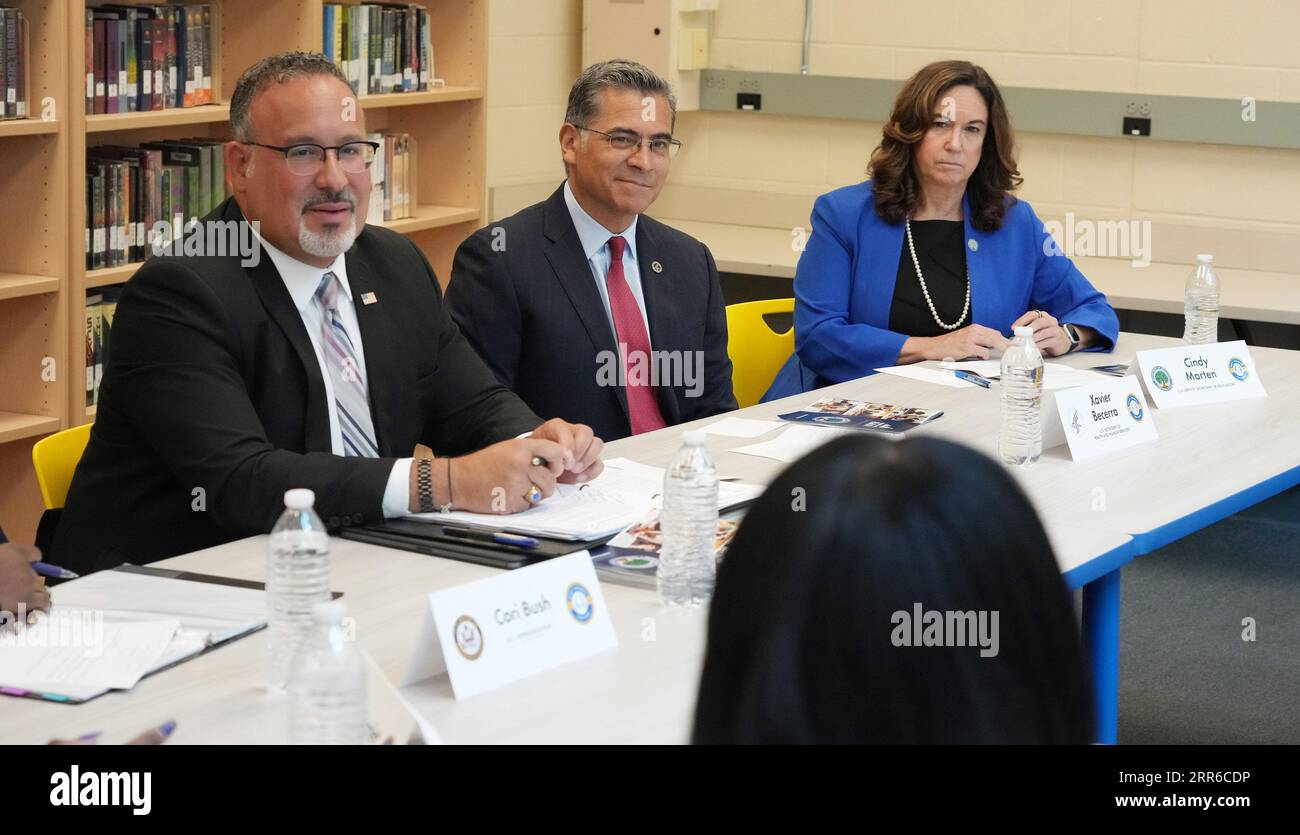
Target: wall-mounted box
[669,36]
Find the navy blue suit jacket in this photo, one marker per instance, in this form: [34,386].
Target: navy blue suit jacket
[530,307]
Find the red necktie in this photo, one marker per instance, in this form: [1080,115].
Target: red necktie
[634,344]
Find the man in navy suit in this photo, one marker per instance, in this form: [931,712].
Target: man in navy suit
[582,305]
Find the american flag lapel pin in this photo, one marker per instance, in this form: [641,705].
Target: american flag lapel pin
[368,298]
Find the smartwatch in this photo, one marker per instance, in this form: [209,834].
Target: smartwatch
[1072,334]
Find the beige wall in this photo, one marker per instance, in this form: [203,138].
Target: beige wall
[1237,200]
[534,53]
[1174,47]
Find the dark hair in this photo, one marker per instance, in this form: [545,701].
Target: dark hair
[273,69]
[616,74]
[801,629]
[892,168]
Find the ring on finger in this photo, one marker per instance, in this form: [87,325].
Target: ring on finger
[534,494]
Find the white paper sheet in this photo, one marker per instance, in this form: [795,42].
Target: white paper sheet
[76,649]
[792,444]
[926,375]
[1055,375]
[735,427]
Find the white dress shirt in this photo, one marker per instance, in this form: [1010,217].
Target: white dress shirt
[595,246]
[302,280]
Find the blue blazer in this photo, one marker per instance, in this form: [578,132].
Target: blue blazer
[844,288]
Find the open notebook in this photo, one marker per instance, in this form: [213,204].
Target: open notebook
[110,629]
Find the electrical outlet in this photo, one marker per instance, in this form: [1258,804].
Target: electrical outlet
[1137,126]
[1144,109]
[1131,109]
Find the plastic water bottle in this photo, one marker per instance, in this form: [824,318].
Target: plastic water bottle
[1021,438]
[689,523]
[327,684]
[1201,303]
[297,578]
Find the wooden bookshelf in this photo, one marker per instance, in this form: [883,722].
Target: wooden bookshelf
[43,279]
[34,278]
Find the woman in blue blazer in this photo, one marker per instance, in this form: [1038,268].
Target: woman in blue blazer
[933,257]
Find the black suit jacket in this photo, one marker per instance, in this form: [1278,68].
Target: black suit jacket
[213,404]
[523,294]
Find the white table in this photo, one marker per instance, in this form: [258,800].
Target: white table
[1203,469]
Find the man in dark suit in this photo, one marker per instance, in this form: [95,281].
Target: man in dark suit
[329,364]
[582,305]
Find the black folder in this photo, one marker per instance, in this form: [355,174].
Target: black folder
[430,538]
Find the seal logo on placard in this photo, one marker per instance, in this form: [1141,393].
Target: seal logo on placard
[1135,407]
[469,638]
[580,604]
[636,563]
[1238,369]
[1160,377]
[1074,423]
[831,419]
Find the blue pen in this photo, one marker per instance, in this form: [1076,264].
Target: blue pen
[973,378]
[498,537]
[46,570]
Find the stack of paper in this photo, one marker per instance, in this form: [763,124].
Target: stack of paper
[624,493]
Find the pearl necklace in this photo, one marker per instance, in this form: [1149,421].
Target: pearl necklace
[925,290]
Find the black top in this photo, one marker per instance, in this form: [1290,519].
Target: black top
[941,249]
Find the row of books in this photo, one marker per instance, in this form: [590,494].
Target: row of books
[381,48]
[13,63]
[392,177]
[101,306]
[131,191]
[141,58]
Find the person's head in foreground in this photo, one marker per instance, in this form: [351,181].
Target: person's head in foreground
[821,629]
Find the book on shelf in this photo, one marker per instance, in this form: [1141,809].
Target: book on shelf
[380,47]
[140,198]
[148,57]
[101,307]
[392,177]
[14,46]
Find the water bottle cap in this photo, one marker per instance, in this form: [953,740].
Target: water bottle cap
[299,498]
[695,437]
[1025,330]
[1205,258]
[330,613]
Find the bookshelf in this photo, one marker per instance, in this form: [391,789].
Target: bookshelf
[43,279]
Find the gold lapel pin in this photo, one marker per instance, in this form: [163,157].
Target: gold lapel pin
[656,266]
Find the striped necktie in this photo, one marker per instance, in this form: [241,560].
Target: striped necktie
[350,396]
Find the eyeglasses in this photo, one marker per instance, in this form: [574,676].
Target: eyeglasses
[630,143]
[306,160]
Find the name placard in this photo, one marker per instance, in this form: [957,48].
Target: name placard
[1190,375]
[504,628]
[1105,416]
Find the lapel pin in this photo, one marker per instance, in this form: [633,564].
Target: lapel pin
[656,266]
[368,298]
[974,245]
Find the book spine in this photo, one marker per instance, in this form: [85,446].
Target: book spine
[144,28]
[132,63]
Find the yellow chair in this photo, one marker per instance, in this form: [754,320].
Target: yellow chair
[55,459]
[757,352]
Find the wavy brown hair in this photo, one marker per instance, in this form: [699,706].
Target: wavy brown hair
[892,168]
